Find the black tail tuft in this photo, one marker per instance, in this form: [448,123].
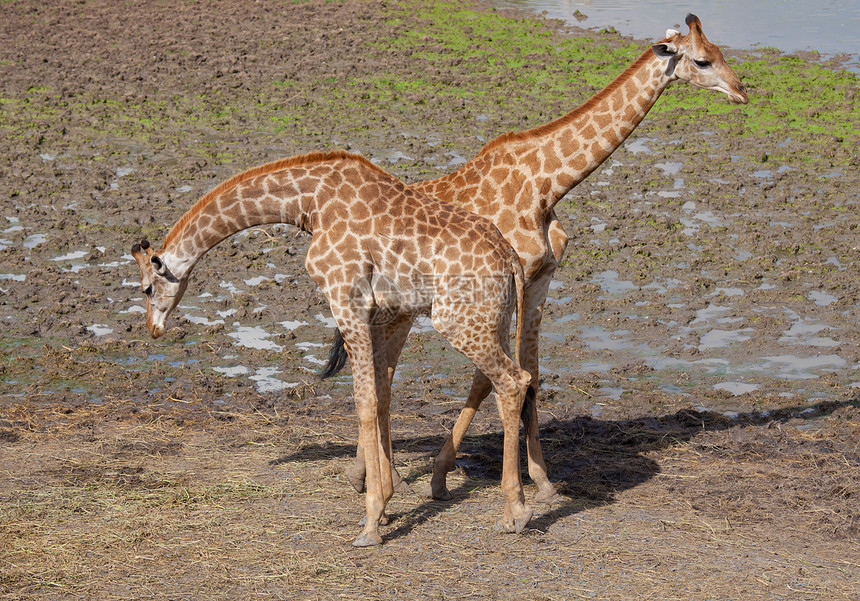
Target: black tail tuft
[337,358]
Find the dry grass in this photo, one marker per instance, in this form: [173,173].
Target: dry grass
[113,501]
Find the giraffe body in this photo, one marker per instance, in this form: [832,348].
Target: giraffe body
[517,179]
[382,254]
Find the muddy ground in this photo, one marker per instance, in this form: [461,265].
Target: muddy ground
[699,408]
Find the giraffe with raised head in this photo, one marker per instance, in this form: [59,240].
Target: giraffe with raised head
[382,254]
[516,180]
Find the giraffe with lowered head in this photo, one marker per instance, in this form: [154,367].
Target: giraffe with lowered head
[516,180]
[381,253]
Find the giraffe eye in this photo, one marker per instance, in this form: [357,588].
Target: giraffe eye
[702,63]
[148,291]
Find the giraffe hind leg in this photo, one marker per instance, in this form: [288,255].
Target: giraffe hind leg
[444,462]
[535,300]
[482,343]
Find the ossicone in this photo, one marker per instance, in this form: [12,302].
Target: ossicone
[694,24]
[140,246]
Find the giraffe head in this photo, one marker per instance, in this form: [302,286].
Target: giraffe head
[692,58]
[162,289]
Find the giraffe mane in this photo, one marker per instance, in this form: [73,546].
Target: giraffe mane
[541,130]
[294,161]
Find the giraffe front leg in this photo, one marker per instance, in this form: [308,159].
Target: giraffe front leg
[396,333]
[372,399]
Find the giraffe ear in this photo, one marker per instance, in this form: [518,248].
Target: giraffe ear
[665,50]
[158,265]
[671,33]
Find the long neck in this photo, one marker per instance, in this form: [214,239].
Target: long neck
[584,138]
[237,204]
[556,156]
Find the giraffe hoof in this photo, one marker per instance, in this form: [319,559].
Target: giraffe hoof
[367,540]
[515,525]
[523,521]
[436,492]
[402,487]
[355,476]
[504,526]
[548,496]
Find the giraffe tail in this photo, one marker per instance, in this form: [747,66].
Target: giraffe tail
[337,358]
[519,281]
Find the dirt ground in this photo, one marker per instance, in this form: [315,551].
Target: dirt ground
[699,408]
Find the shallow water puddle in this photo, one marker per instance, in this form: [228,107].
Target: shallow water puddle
[723,338]
[557,285]
[664,287]
[256,281]
[712,312]
[75,264]
[736,388]
[611,392]
[133,309]
[229,287]
[15,226]
[792,367]
[327,320]
[99,329]
[822,299]
[254,337]
[202,321]
[693,223]
[609,282]
[34,240]
[120,173]
[598,338]
[598,227]
[307,346]
[266,382]
[728,292]
[73,259]
[263,376]
[72,256]
[232,372]
[803,332]
[638,145]
[422,324]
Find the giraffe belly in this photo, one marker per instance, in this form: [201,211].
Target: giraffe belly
[396,295]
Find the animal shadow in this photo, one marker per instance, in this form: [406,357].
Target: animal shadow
[589,460]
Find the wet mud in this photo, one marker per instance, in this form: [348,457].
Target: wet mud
[700,363]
